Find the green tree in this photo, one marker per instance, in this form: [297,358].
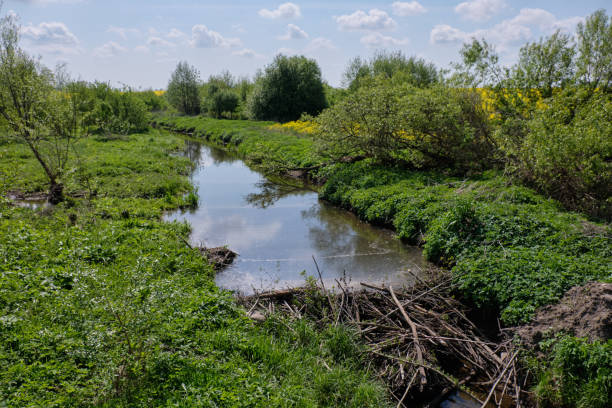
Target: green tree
[390,65]
[545,65]
[594,62]
[38,110]
[183,91]
[288,87]
[427,127]
[221,102]
[479,65]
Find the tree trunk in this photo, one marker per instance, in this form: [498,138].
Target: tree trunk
[56,193]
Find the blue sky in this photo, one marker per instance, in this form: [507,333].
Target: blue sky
[139,42]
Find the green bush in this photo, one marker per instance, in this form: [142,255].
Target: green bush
[288,88]
[577,374]
[117,111]
[432,127]
[567,151]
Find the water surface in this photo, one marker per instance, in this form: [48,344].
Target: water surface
[277,228]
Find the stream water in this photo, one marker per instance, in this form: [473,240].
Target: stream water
[277,229]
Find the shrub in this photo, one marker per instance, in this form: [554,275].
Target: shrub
[390,65]
[579,374]
[433,127]
[288,87]
[567,151]
[224,101]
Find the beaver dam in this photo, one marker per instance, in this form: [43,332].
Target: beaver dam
[420,340]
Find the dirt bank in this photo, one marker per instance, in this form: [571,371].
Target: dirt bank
[584,311]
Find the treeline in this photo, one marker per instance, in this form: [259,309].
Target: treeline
[288,87]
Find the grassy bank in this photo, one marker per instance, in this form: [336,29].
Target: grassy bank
[102,303]
[272,151]
[510,249]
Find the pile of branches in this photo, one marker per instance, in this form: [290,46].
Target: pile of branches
[419,339]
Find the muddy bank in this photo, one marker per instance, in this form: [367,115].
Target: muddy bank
[584,311]
[220,257]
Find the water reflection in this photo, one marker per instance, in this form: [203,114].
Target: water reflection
[270,192]
[277,228]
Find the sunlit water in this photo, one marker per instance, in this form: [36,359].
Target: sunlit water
[277,229]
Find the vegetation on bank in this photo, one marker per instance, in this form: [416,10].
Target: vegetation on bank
[102,303]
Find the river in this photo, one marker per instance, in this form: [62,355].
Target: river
[278,227]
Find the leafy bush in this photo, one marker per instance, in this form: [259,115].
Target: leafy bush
[154,100]
[567,151]
[221,102]
[578,374]
[116,111]
[393,66]
[432,127]
[288,87]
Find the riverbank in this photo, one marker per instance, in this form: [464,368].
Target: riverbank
[103,304]
[509,249]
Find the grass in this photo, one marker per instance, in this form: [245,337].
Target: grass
[102,303]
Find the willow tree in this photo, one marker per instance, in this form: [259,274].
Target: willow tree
[37,110]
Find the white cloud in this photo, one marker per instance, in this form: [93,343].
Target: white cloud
[247,53]
[123,31]
[534,17]
[286,51]
[479,10]
[445,34]
[294,33]
[404,9]
[175,33]
[319,43]
[49,33]
[202,37]
[239,28]
[110,49]
[142,49]
[51,38]
[509,32]
[285,10]
[568,25]
[377,40]
[375,19]
[159,42]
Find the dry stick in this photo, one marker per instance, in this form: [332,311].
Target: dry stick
[253,307]
[401,401]
[484,404]
[323,285]
[432,368]
[417,344]
[517,388]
